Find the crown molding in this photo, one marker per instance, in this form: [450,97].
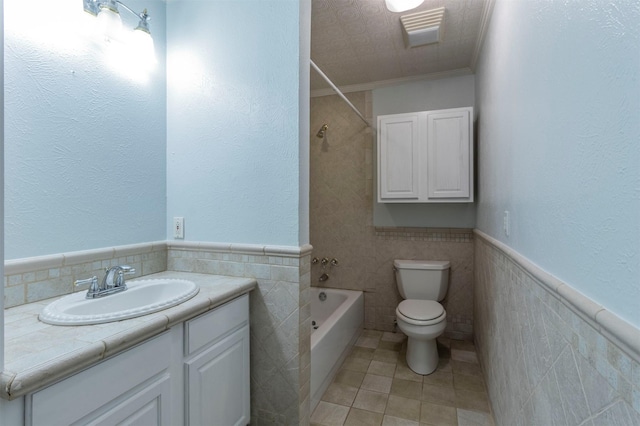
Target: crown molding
[487,11]
[393,82]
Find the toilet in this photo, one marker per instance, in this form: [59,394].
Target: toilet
[422,283]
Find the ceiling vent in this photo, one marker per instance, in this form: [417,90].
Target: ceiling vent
[422,28]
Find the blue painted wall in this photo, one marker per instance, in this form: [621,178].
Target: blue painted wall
[233,167]
[558,98]
[84,137]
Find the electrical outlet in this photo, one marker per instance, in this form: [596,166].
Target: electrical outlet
[506,223]
[178,227]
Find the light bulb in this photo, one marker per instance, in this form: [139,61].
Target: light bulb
[110,23]
[143,46]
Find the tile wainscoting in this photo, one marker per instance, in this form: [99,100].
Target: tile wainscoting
[280,320]
[550,355]
[37,278]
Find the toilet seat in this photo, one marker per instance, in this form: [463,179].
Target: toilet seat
[421,312]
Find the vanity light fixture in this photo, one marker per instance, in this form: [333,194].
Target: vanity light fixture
[110,22]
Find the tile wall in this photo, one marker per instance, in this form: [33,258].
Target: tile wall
[38,278]
[547,355]
[280,320]
[341,223]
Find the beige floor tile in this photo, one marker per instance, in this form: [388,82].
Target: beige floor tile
[382,368]
[356,364]
[405,408]
[376,383]
[441,415]
[464,356]
[372,333]
[396,421]
[405,373]
[473,418]
[467,382]
[367,342]
[439,378]
[439,395]
[393,337]
[463,345]
[386,355]
[466,368]
[350,378]
[360,352]
[444,364]
[358,417]
[337,393]
[329,414]
[392,346]
[443,351]
[371,401]
[406,388]
[469,400]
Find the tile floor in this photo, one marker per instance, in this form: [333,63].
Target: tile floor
[376,387]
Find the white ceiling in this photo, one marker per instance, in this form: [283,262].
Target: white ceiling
[359,43]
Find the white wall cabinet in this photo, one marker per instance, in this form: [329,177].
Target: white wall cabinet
[203,362]
[426,157]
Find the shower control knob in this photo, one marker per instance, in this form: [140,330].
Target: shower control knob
[334,262]
[314,260]
[324,261]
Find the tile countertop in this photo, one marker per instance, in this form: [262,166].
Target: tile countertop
[39,354]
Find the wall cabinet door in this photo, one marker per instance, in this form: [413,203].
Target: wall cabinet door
[399,156]
[218,382]
[449,153]
[426,157]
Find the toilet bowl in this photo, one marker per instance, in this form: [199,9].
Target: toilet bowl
[422,284]
[422,321]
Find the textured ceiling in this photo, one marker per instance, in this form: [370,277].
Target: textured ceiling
[357,42]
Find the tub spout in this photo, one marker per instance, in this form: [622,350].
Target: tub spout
[324,277]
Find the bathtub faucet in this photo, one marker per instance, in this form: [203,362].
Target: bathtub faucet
[324,277]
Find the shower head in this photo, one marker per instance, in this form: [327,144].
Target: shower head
[322,130]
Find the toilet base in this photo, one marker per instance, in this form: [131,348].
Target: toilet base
[422,355]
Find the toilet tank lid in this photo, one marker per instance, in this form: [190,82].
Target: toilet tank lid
[422,264]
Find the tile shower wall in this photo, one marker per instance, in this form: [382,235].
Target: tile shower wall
[543,362]
[280,321]
[341,223]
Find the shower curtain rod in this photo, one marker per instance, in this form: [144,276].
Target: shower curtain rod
[335,88]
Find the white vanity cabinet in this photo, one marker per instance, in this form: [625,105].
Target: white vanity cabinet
[426,157]
[195,373]
[133,387]
[217,366]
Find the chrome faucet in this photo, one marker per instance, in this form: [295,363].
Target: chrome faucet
[113,282]
[324,277]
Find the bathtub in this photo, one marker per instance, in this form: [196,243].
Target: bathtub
[337,324]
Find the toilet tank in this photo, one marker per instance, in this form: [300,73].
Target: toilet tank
[422,279]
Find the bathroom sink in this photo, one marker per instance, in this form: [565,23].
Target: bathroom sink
[142,297]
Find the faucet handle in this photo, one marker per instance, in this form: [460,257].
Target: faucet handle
[128,270]
[93,288]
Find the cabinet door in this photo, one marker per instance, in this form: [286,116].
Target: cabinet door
[449,154]
[218,383]
[149,406]
[399,157]
[136,381]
